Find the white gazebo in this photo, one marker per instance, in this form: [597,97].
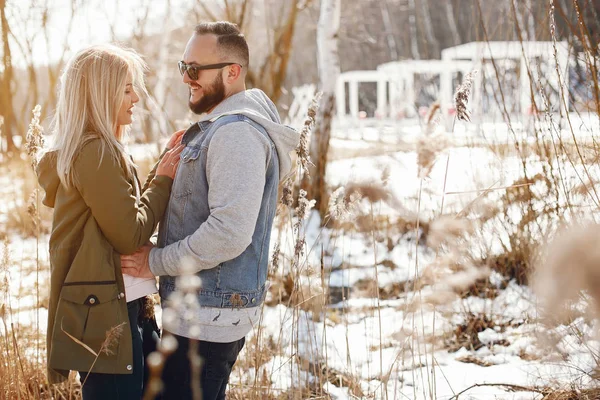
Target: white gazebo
[401,75]
[504,67]
[353,79]
[529,55]
[395,86]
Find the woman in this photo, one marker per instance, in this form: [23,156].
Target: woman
[100,212]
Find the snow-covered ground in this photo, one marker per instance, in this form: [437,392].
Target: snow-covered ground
[399,346]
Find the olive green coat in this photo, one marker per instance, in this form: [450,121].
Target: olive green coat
[94,222]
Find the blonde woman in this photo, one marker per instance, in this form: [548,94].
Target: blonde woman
[100,212]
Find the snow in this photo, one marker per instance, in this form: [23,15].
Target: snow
[394,346]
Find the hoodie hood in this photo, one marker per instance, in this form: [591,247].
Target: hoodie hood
[48,178]
[256,105]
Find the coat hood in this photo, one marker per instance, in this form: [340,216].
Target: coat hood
[48,178]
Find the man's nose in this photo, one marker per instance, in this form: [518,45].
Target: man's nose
[186,78]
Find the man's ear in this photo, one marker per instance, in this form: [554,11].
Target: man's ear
[233,73]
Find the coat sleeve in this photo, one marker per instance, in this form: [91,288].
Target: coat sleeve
[111,199]
[152,172]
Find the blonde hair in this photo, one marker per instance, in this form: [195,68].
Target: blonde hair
[91,91]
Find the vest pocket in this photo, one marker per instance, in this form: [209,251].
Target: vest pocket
[185,173]
[87,311]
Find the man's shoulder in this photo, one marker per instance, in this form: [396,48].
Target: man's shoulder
[238,127]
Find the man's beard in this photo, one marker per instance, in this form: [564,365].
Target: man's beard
[213,95]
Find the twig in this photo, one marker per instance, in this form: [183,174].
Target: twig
[516,388]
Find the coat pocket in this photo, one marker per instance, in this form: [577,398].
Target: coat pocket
[88,310]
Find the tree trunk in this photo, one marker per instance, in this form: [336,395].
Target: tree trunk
[389,33]
[530,20]
[160,125]
[412,24]
[452,22]
[6,101]
[432,42]
[520,22]
[329,70]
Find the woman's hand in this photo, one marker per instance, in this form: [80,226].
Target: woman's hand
[175,139]
[170,162]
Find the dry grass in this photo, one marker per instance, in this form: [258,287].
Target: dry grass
[573,394]
[527,213]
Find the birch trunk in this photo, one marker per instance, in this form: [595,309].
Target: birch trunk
[329,70]
[530,20]
[389,33]
[452,22]
[412,24]
[432,42]
[520,25]
[160,126]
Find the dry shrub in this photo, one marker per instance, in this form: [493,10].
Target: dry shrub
[573,394]
[469,359]
[266,392]
[453,270]
[514,264]
[25,213]
[568,266]
[368,288]
[324,373]
[287,290]
[534,198]
[467,334]
[483,288]
[22,377]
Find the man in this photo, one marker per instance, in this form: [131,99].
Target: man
[221,209]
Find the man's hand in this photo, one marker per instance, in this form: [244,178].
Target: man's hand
[175,139]
[137,264]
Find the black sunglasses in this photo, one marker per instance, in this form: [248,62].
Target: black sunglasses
[193,70]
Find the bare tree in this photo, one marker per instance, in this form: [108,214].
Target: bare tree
[412,23]
[389,34]
[54,70]
[270,75]
[6,81]
[433,48]
[452,22]
[329,70]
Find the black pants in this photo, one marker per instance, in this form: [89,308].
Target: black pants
[144,334]
[217,361]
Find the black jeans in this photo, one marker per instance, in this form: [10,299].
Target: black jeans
[144,334]
[217,361]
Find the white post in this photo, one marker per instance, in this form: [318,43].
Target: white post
[409,88]
[340,98]
[354,98]
[381,97]
[445,96]
[394,91]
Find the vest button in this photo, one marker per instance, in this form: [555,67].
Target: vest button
[253,300]
[129,367]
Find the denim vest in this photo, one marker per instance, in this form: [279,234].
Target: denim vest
[240,282]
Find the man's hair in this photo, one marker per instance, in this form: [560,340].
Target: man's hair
[231,43]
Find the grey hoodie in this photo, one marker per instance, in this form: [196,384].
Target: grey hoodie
[236,177]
